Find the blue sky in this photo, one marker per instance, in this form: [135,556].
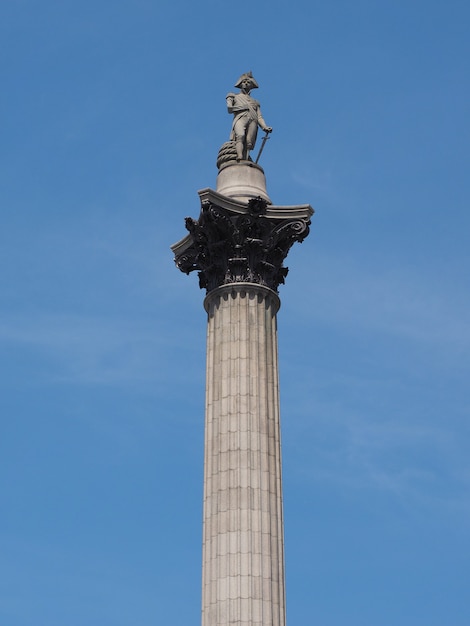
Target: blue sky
[113,113]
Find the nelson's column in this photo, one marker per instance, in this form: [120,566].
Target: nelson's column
[238,246]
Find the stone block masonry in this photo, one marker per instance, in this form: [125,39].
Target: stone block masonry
[243,562]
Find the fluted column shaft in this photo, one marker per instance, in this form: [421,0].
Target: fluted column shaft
[243,561]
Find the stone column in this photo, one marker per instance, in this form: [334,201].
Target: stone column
[243,563]
[237,246]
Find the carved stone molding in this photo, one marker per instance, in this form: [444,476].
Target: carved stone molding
[234,242]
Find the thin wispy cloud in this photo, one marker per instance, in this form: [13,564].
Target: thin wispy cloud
[398,302]
[97,350]
[408,454]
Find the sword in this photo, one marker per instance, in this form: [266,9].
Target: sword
[265,139]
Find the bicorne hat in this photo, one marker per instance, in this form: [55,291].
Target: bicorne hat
[247,76]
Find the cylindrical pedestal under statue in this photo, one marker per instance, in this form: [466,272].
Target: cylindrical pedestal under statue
[242,181]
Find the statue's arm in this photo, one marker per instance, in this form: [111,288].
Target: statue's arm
[262,124]
[232,106]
